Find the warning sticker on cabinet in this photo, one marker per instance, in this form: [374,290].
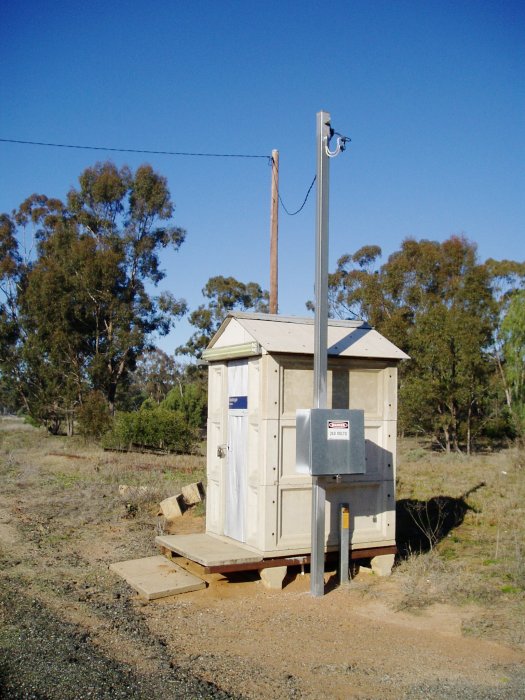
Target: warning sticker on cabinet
[338,430]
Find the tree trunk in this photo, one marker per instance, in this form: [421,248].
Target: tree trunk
[506,388]
[454,427]
[447,439]
[70,422]
[469,416]
[111,398]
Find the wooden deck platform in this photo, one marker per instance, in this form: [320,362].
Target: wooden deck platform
[221,555]
[207,550]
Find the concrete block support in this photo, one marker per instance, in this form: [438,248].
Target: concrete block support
[193,493]
[273,577]
[382,564]
[172,507]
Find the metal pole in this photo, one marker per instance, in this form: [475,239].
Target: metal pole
[320,344]
[274,235]
[321,262]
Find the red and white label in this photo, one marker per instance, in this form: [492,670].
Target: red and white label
[338,430]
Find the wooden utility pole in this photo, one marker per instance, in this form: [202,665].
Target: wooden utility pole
[274,235]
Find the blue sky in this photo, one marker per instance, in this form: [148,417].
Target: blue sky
[431,93]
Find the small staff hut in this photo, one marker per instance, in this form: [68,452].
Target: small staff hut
[260,373]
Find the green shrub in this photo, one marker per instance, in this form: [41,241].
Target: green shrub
[191,400]
[155,428]
[94,417]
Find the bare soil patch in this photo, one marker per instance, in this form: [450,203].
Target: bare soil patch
[69,628]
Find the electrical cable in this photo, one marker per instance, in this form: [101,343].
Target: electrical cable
[135,150]
[292,213]
[165,153]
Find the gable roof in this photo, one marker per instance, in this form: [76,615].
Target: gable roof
[244,334]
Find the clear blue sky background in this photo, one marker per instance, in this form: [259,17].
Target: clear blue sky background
[432,94]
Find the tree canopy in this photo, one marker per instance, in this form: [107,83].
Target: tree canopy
[77,316]
[225,294]
[442,306]
[513,336]
[76,312]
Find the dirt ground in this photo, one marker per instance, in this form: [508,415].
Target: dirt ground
[348,644]
[69,628]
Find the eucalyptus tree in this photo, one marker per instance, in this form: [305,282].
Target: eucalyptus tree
[82,303]
[224,294]
[156,374]
[435,301]
[513,336]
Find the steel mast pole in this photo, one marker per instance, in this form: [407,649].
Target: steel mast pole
[274,235]
[320,343]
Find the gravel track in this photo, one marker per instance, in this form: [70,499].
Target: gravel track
[44,657]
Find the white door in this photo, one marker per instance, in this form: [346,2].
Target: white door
[236,479]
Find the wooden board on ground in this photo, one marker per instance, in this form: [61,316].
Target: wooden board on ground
[208,550]
[157,577]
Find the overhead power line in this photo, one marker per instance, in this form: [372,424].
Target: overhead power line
[135,150]
[162,153]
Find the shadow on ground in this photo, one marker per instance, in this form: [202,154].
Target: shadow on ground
[420,525]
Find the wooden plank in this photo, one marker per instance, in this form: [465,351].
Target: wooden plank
[298,560]
[372,552]
[207,550]
[261,564]
[157,577]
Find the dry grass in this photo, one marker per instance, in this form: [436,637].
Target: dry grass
[482,560]
[66,499]
[64,496]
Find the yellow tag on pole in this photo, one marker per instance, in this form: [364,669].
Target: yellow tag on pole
[345,520]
